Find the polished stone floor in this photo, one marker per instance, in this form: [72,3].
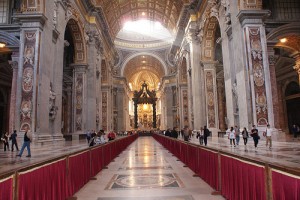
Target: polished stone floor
[146,170]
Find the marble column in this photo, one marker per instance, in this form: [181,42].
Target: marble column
[211,94]
[272,58]
[197,76]
[69,109]
[12,108]
[79,97]
[221,105]
[257,63]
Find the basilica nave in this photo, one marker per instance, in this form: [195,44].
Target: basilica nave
[71,66]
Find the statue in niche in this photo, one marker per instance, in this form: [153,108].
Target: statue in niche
[52,108]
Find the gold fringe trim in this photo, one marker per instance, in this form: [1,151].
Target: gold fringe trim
[33,169]
[258,165]
[285,173]
[5,179]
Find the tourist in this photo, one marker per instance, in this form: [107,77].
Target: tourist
[5,141]
[13,138]
[26,143]
[111,136]
[206,134]
[186,133]
[245,136]
[200,135]
[88,136]
[174,133]
[269,136]
[231,136]
[237,135]
[295,130]
[254,134]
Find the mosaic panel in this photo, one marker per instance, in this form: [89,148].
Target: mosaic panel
[104,110]
[78,100]
[210,100]
[144,181]
[28,79]
[258,76]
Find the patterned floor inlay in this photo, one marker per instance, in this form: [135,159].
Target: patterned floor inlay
[144,160]
[149,198]
[147,168]
[144,181]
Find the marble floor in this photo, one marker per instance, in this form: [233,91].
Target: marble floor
[146,170]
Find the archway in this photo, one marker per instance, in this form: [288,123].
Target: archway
[74,53]
[6,74]
[292,99]
[214,75]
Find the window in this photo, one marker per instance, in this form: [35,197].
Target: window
[3,11]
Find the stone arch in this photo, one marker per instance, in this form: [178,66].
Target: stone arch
[78,40]
[9,39]
[146,54]
[209,38]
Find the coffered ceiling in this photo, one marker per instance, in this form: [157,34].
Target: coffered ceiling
[117,12]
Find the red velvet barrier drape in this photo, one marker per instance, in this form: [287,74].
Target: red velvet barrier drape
[242,181]
[6,187]
[46,182]
[192,156]
[96,161]
[183,152]
[106,154]
[285,187]
[79,172]
[207,167]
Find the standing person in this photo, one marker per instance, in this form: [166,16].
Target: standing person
[254,134]
[186,133]
[237,135]
[14,140]
[269,136]
[295,130]
[205,135]
[111,136]
[5,141]
[27,140]
[88,136]
[174,133]
[245,136]
[200,135]
[231,136]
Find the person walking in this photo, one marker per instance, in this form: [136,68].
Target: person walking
[269,136]
[232,136]
[13,138]
[237,135]
[206,134]
[254,134]
[245,136]
[200,135]
[26,143]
